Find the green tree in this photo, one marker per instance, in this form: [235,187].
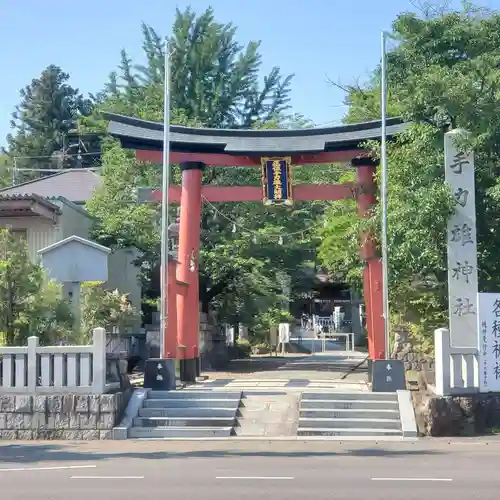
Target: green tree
[5,171]
[48,110]
[443,73]
[215,80]
[29,304]
[106,309]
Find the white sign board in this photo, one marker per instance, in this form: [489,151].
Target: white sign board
[76,260]
[284,333]
[489,341]
[461,242]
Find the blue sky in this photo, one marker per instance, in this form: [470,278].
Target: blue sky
[315,39]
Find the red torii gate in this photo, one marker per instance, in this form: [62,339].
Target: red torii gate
[194,149]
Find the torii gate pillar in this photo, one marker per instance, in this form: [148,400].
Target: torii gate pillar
[188,312]
[372,272]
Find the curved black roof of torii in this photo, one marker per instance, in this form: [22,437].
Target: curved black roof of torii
[135,133]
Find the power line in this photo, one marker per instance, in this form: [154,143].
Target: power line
[259,233]
[56,170]
[55,155]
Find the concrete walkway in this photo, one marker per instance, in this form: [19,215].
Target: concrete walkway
[332,371]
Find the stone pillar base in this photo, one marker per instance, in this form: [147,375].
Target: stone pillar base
[188,370]
[159,374]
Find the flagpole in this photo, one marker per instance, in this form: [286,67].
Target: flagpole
[164,203]
[383,161]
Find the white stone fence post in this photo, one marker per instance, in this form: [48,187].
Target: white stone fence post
[56,369]
[457,368]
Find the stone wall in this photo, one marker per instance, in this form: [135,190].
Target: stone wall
[207,328]
[403,349]
[457,415]
[70,416]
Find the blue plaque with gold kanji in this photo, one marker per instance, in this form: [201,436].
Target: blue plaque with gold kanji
[276,180]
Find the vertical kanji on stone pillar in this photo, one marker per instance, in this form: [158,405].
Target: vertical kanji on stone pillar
[372,272]
[188,315]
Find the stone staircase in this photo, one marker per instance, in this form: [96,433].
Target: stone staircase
[186,414]
[362,414]
[268,415]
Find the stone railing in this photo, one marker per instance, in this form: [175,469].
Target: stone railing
[456,368]
[56,369]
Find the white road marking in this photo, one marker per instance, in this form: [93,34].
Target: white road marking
[256,477]
[107,477]
[468,443]
[439,479]
[65,467]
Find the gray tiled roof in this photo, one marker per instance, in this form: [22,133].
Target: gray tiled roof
[29,197]
[133,131]
[74,185]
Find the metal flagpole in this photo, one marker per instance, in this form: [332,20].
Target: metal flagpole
[383,161]
[164,202]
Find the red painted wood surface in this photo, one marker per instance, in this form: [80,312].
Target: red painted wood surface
[373,295]
[188,316]
[227,160]
[226,194]
[372,273]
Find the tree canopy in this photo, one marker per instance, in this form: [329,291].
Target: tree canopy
[5,170]
[28,306]
[48,111]
[442,73]
[214,79]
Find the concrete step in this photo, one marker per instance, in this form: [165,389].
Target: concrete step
[361,413]
[347,404]
[350,423]
[192,403]
[178,432]
[358,432]
[203,412]
[357,396]
[184,422]
[194,395]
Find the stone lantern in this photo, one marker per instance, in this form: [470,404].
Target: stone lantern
[173,238]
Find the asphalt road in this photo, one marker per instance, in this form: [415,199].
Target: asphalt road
[424,470]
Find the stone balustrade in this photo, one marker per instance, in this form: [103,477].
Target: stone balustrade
[62,369]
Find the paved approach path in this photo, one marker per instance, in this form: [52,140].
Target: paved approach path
[128,470]
[333,370]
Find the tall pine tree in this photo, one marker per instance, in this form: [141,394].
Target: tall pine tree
[5,170]
[215,80]
[49,109]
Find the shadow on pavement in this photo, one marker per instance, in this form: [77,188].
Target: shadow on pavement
[334,364]
[40,453]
